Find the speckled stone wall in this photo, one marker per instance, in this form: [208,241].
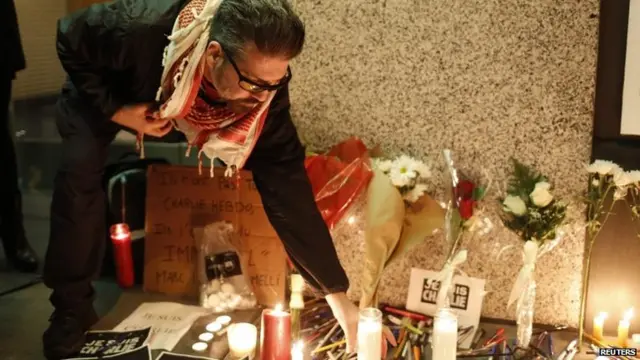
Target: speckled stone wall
[488,79]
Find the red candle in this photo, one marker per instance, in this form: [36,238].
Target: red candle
[121,239]
[275,335]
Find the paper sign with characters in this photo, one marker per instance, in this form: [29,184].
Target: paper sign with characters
[108,344]
[466,298]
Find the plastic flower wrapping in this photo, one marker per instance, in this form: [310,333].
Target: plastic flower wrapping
[463,219]
[531,211]
[382,204]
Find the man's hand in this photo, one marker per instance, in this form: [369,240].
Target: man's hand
[142,119]
[347,314]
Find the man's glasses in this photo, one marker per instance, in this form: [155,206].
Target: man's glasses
[252,86]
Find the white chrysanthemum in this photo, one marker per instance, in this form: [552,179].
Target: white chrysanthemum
[414,194]
[422,169]
[622,179]
[402,171]
[604,167]
[620,193]
[382,165]
[635,176]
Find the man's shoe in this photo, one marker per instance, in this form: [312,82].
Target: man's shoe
[65,335]
[23,258]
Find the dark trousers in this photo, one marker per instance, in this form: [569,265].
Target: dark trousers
[78,208]
[77,235]
[11,227]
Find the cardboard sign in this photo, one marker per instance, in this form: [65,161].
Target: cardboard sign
[105,343]
[141,353]
[468,294]
[180,200]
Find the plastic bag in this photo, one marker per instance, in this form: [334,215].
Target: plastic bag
[338,177]
[223,286]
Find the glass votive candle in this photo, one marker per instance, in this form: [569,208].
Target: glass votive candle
[242,338]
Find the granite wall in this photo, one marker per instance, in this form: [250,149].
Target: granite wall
[488,79]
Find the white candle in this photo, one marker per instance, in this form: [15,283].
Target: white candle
[242,339]
[223,320]
[598,326]
[199,346]
[214,327]
[207,336]
[445,335]
[297,350]
[623,328]
[370,334]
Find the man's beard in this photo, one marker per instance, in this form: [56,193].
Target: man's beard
[242,106]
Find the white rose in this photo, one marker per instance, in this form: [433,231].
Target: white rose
[604,167]
[515,205]
[540,195]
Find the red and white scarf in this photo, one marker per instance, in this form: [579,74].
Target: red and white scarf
[215,130]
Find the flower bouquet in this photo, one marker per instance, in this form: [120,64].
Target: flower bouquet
[399,215]
[338,178]
[606,179]
[462,217]
[531,211]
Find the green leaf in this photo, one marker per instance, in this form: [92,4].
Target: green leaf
[478,193]
[523,180]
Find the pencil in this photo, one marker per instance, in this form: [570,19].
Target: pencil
[329,347]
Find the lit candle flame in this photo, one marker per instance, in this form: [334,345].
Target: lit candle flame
[628,314]
[602,315]
[278,308]
[351,220]
[298,345]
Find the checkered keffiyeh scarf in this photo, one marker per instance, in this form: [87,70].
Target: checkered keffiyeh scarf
[215,130]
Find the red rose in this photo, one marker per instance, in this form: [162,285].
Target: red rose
[464,190]
[466,208]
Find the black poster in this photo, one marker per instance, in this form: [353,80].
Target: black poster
[102,344]
[173,356]
[141,353]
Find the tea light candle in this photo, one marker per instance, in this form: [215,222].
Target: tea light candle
[370,334]
[242,338]
[205,337]
[445,335]
[214,327]
[199,346]
[623,328]
[598,326]
[297,350]
[223,320]
[275,334]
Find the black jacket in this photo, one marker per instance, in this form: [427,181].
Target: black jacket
[12,59]
[113,55]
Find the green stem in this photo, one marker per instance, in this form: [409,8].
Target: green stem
[586,271]
[454,246]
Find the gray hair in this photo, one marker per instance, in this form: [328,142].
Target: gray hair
[271,25]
